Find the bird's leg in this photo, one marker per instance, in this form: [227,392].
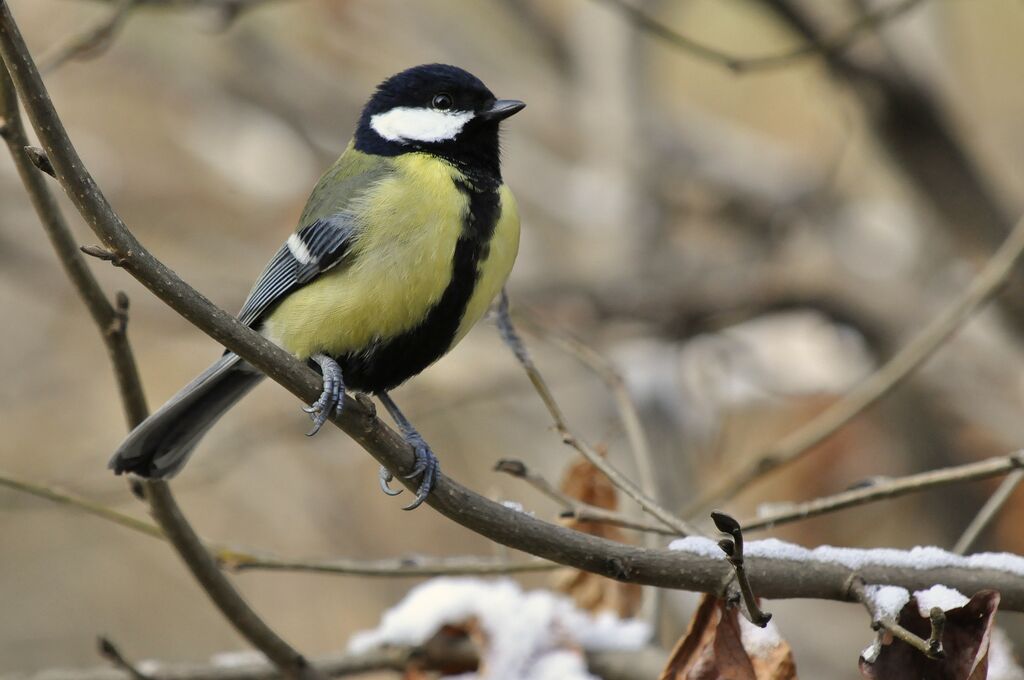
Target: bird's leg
[333,396]
[426,466]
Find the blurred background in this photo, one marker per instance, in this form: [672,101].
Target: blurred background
[744,246]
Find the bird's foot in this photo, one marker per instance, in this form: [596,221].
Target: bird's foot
[332,399]
[426,467]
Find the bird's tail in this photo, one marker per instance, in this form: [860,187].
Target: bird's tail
[161,444]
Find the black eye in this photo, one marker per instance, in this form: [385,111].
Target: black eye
[442,102]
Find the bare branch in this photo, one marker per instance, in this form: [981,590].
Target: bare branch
[770,576]
[95,509]
[238,560]
[733,549]
[988,511]
[402,567]
[112,323]
[639,664]
[628,414]
[651,506]
[88,288]
[92,42]
[573,508]
[883,490]
[835,45]
[792,447]
[110,652]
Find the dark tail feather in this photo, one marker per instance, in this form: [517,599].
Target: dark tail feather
[161,444]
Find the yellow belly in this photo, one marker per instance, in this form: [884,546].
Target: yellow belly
[398,267]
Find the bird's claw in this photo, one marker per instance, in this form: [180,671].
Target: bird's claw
[385,477]
[331,399]
[426,465]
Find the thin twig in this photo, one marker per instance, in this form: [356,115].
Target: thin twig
[403,567]
[837,44]
[92,42]
[238,560]
[440,653]
[109,651]
[573,508]
[890,488]
[651,506]
[628,414]
[932,647]
[733,549]
[95,509]
[988,511]
[911,356]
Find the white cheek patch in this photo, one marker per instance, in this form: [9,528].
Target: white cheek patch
[405,124]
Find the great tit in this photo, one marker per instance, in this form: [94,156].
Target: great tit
[403,245]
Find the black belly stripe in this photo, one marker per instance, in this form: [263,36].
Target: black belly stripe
[393,361]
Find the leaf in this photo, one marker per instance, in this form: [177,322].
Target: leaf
[965,640]
[594,593]
[720,646]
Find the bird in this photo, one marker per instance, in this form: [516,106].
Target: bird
[403,245]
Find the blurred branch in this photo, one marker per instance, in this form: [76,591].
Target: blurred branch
[798,443]
[649,504]
[109,651]
[224,5]
[771,577]
[401,567]
[436,654]
[92,42]
[887,489]
[988,511]
[95,509]
[921,138]
[628,414]
[112,324]
[834,45]
[237,560]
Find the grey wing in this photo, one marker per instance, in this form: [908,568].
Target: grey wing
[310,251]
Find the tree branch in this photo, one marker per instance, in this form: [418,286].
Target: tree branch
[234,559]
[988,511]
[835,45]
[112,323]
[985,285]
[771,577]
[91,42]
[649,504]
[884,490]
[640,664]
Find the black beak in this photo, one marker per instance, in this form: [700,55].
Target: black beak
[502,109]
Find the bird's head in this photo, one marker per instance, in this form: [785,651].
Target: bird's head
[437,109]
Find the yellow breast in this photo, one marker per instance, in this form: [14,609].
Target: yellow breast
[400,263]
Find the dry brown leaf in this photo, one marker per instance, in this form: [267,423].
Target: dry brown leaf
[447,652]
[965,640]
[714,649]
[593,593]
